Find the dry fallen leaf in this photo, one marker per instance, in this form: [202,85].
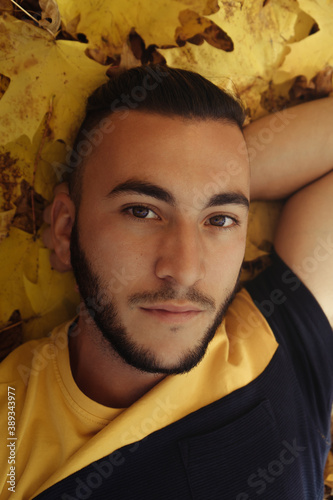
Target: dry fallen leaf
[5,222]
[4,84]
[11,335]
[195,29]
[6,6]
[107,27]
[259,33]
[50,15]
[39,68]
[309,56]
[29,209]
[319,86]
[53,298]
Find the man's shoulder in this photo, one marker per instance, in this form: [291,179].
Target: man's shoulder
[300,326]
[287,304]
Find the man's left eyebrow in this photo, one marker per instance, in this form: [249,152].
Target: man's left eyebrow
[143,188]
[227,199]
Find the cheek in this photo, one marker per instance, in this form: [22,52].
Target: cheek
[224,262]
[118,258]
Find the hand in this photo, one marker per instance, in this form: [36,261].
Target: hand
[47,234]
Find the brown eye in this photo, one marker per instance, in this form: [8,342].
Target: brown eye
[140,212]
[221,221]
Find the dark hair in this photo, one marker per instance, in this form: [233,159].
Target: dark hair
[154,89]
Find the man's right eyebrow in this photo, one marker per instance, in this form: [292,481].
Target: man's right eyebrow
[134,186]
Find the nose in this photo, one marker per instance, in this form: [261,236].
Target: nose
[181,256]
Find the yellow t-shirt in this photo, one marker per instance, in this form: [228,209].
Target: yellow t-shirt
[59,430]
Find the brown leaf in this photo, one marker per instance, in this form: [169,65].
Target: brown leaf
[4,84]
[195,29]
[11,335]
[9,173]
[50,15]
[6,6]
[69,31]
[28,10]
[98,54]
[319,86]
[137,44]
[43,13]
[134,53]
[218,38]
[27,212]
[141,53]
[212,7]
[251,268]
[6,218]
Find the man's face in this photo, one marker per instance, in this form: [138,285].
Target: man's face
[160,236]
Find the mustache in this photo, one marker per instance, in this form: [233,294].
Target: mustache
[169,293]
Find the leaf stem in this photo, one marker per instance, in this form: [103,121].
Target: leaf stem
[11,326]
[27,13]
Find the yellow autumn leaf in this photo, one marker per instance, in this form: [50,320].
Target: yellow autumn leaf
[259,34]
[107,23]
[307,57]
[28,284]
[25,159]
[6,218]
[16,162]
[53,153]
[263,218]
[53,298]
[43,70]
[13,252]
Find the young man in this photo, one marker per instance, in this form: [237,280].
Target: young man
[173,383]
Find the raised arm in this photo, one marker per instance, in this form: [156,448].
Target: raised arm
[298,163]
[290,149]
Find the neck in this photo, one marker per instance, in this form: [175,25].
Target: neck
[101,374]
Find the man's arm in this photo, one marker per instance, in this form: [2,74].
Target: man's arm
[290,149]
[300,158]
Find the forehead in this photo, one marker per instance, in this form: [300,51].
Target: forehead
[179,154]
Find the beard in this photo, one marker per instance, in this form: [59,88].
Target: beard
[106,317]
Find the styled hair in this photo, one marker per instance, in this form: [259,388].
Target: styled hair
[154,89]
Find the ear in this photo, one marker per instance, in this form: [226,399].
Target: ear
[62,220]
